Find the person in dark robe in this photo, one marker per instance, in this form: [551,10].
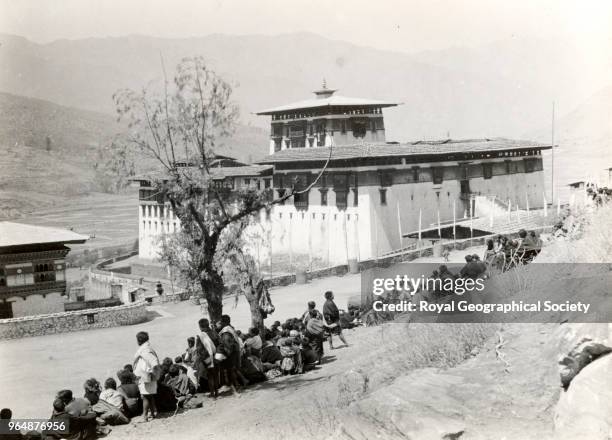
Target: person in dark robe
[332,317]
[131,394]
[228,352]
[315,332]
[82,417]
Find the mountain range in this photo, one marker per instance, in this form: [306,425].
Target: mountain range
[63,90]
[499,90]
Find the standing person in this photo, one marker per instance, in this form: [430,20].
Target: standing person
[332,317]
[228,352]
[206,328]
[315,331]
[146,368]
[204,358]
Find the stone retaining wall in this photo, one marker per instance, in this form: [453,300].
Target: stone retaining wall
[73,321]
[388,260]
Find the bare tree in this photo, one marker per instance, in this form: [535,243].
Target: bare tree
[181,125]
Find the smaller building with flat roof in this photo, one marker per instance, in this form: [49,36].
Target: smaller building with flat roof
[33,268]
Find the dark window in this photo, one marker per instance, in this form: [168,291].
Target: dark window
[277,144]
[6,310]
[355,197]
[341,199]
[359,128]
[267,183]
[91,318]
[415,174]
[438,175]
[247,182]
[300,201]
[487,170]
[532,164]
[465,186]
[343,127]
[277,180]
[340,182]
[323,196]
[383,196]
[386,177]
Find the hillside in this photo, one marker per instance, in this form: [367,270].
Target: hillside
[466,101]
[48,152]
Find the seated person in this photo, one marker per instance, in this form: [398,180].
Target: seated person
[5,417]
[112,402]
[76,428]
[271,356]
[130,369]
[187,369]
[165,366]
[473,268]
[92,390]
[80,410]
[181,386]
[253,343]
[179,382]
[252,369]
[189,352]
[309,356]
[130,392]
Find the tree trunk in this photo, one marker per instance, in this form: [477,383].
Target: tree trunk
[257,319]
[213,293]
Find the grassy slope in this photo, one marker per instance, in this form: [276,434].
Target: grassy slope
[32,178]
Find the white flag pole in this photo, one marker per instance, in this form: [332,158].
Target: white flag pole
[509,209]
[439,229]
[518,215]
[420,224]
[399,225]
[471,224]
[491,211]
[527,203]
[545,212]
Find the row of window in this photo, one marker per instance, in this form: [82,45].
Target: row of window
[155,226]
[157,211]
[257,183]
[24,279]
[327,111]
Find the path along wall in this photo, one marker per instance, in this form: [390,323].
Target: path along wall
[73,321]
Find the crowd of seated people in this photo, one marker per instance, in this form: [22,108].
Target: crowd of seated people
[500,255]
[216,359]
[506,253]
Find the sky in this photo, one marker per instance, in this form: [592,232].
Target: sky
[399,25]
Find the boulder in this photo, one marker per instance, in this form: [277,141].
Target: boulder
[584,410]
[579,345]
